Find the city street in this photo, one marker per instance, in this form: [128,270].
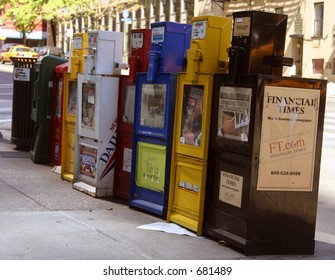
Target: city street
[6,93]
[44,218]
[329,125]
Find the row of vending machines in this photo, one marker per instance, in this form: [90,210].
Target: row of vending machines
[203,131]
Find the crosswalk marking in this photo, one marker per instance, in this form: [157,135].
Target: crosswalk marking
[5,120]
[6,85]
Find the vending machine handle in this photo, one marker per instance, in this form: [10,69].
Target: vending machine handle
[194,57]
[154,59]
[49,100]
[236,56]
[134,62]
[118,67]
[73,68]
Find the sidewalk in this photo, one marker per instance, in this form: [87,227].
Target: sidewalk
[43,218]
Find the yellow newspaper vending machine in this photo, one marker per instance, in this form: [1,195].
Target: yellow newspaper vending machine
[206,56]
[76,66]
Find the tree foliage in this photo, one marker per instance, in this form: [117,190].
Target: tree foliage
[27,14]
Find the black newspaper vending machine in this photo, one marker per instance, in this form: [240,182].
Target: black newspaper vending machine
[265,146]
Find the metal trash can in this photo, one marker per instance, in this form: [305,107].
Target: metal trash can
[23,84]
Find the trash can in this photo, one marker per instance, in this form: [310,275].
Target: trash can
[23,81]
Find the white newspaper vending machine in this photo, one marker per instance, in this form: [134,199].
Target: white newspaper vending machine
[97,114]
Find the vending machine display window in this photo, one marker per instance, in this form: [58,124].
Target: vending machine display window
[72,98]
[127,156]
[58,105]
[234,113]
[88,105]
[88,161]
[157,34]
[191,127]
[77,42]
[129,104]
[153,105]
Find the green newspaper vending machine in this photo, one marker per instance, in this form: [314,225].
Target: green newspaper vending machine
[42,107]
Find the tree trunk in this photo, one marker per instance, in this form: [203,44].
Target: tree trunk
[24,38]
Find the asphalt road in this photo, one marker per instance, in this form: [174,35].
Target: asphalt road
[6,95]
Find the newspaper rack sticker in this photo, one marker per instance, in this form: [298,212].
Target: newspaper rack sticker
[231,188]
[288,139]
[199,30]
[21,74]
[137,42]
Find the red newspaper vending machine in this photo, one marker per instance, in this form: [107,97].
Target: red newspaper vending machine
[56,115]
[138,62]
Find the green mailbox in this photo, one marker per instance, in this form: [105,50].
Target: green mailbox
[42,107]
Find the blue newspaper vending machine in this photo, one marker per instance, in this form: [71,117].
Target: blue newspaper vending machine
[154,116]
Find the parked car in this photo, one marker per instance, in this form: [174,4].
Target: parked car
[17,51]
[5,47]
[49,50]
[67,55]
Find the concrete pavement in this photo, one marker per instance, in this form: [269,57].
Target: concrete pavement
[43,218]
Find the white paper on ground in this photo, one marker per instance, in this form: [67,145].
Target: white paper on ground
[57,169]
[169,228]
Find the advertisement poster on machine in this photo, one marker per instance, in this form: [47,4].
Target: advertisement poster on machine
[288,139]
[21,74]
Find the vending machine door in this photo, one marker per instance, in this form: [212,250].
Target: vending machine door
[150,175]
[96,134]
[93,107]
[152,142]
[193,115]
[186,199]
[233,113]
[69,127]
[155,103]
[57,115]
[190,154]
[126,106]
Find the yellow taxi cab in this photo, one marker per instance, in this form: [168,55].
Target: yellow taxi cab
[17,51]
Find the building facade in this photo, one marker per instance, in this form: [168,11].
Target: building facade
[140,16]
[310,35]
